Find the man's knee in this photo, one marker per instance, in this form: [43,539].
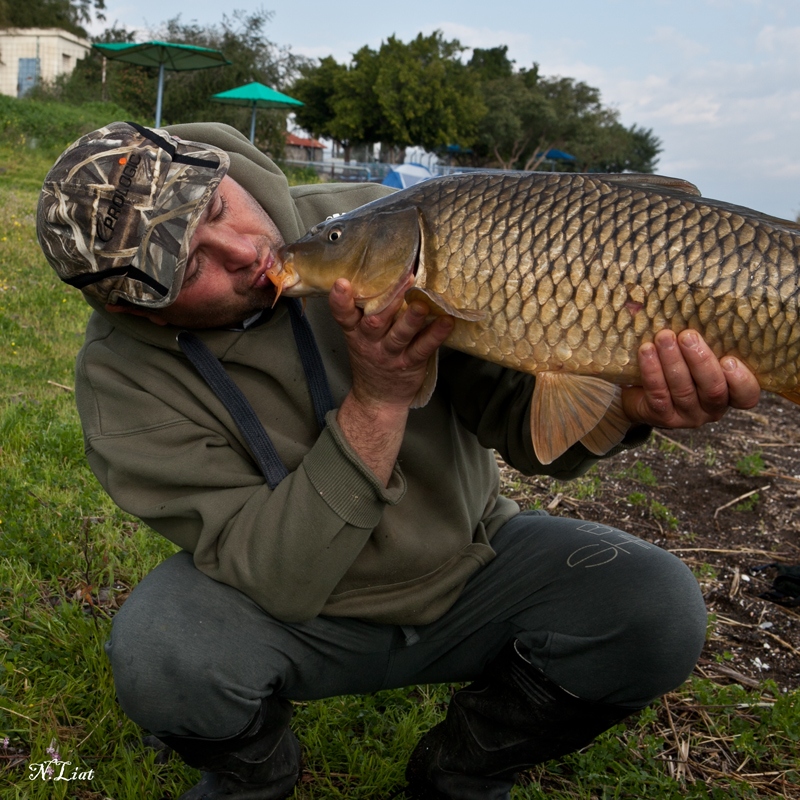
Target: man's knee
[169,673]
[670,623]
[629,618]
[661,626]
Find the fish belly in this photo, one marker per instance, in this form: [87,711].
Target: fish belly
[575,275]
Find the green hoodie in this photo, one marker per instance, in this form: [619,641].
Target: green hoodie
[330,539]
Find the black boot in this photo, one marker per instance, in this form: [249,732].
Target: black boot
[511,718]
[261,763]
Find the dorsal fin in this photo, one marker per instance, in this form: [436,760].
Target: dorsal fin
[641,180]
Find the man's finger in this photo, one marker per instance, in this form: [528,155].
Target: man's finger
[678,377]
[743,387]
[654,397]
[406,327]
[706,372]
[426,344]
[343,307]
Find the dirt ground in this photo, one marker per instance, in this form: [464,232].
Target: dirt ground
[726,499]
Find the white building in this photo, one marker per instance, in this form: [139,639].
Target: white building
[31,55]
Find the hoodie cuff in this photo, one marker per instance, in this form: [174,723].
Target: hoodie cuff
[345,482]
[636,436]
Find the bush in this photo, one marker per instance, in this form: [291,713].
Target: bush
[47,124]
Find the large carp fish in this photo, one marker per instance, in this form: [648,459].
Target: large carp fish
[564,275]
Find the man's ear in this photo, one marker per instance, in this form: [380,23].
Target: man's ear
[137,312]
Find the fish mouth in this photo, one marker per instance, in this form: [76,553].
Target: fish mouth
[281,272]
[262,273]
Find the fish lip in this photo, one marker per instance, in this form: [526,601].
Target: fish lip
[263,271]
[278,270]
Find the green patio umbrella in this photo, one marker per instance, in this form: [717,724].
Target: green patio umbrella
[164,55]
[256,95]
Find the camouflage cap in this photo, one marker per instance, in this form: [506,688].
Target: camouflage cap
[118,209]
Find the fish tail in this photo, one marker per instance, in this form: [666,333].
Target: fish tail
[792,394]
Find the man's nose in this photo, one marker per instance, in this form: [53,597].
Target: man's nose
[234,251]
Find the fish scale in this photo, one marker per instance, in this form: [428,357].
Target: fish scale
[565,275]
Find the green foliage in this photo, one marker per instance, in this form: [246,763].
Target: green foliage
[427,96]
[749,503]
[415,93]
[299,176]
[528,114]
[705,571]
[66,14]
[492,63]
[657,510]
[320,88]
[642,473]
[49,124]
[130,88]
[751,465]
[586,487]
[240,36]
[662,513]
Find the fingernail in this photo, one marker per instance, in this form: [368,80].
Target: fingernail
[691,339]
[665,339]
[730,364]
[647,350]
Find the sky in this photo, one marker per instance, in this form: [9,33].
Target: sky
[718,81]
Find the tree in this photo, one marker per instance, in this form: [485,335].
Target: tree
[96,78]
[492,63]
[187,94]
[528,115]
[426,95]
[521,123]
[339,100]
[402,94]
[66,14]
[241,37]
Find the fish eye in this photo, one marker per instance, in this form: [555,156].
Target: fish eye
[334,234]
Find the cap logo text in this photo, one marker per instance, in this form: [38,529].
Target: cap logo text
[105,225]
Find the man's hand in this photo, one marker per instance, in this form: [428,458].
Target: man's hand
[684,385]
[389,354]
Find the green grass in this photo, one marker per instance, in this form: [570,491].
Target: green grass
[751,465]
[68,557]
[641,473]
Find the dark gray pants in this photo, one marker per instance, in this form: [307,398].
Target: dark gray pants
[605,615]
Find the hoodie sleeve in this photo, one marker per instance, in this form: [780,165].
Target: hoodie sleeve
[158,441]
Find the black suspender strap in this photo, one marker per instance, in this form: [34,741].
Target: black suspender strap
[237,405]
[317,380]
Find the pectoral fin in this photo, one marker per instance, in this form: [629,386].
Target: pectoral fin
[793,395]
[566,408]
[441,306]
[422,397]
[611,429]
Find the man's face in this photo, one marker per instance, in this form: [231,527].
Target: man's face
[225,281]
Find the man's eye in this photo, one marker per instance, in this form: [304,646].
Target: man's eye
[193,270]
[223,210]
